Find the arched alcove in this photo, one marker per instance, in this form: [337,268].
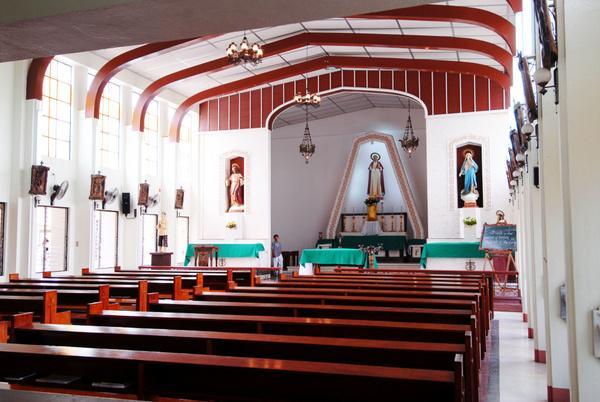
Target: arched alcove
[308,199]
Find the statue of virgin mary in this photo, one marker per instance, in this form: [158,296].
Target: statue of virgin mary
[468,170]
[376,187]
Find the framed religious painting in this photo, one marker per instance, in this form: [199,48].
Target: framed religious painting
[98,182]
[179,193]
[39,178]
[143,193]
[528,88]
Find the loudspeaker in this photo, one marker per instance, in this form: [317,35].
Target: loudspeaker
[536,176]
[126,203]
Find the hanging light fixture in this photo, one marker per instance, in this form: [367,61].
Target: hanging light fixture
[307,148]
[409,142]
[244,52]
[307,98]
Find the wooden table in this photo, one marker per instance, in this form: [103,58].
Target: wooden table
[161,259]
[203,255]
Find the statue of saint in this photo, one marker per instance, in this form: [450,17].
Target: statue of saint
[376,187]
[163,233]
[235,182]
[468,170]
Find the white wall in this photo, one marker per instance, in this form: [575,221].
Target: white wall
[444,134]
[215,148]
[303,195]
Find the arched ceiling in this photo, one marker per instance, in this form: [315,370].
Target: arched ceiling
[465,36]
[345,102]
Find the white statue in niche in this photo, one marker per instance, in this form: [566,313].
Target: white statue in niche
[376,187]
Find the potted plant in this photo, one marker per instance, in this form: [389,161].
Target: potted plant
[470,231]
[231,225]
[470,221]
[371,203]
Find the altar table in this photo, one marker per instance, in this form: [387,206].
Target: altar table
[332,256]
[388,242]
[229,250]
[451,250]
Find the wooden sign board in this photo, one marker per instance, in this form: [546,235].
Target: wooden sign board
[499,237]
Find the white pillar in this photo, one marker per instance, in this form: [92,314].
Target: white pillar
[579,30]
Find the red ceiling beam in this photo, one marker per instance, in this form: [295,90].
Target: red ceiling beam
[338,62]
[110,69]
[35,77]
[329,39]
[466,15]
[516,5]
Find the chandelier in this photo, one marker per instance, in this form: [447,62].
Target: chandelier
[307,99]
[307,148]
[409,142]
[244,52]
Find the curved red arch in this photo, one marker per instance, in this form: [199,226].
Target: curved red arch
[333,39]
[122,61]
[467,15]
[340,62]
[35,77]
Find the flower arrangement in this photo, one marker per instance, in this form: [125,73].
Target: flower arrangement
[231,225]
[371,201]
[470,221]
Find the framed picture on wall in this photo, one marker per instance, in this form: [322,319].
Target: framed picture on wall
[179,194]
[143,192]
[97,185]
[39,178]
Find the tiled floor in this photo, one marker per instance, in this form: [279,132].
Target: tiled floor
[521,379]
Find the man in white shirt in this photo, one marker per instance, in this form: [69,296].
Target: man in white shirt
[276,252]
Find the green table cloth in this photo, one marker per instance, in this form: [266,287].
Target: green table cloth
[388,242]
[450,250]
[335,256]
[228,250]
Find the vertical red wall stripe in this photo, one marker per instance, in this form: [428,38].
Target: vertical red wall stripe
[313,84]
[466,91]
[425,77]
[255,108]
[267,95]
[412,84]
[482,94]
[234,112]
[324,82]
[277,95]
[336,79]
[399,81]
[301,86]
[439,93]
[453,83]
[373,79]
[506,98]
[288,91]
[203,116]
[361,78]
[496,96]
[224,113]
[213,115]
[386,80]
[348,78]
[245,110]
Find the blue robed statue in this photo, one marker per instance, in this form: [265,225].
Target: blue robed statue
[469,170]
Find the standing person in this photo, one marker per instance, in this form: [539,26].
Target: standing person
[276,252]
[163,233]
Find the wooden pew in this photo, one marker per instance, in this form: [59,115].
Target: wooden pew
[44,307]
[197,376]
[438,356]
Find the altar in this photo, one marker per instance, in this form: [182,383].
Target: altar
[247,254]
[452,255]
[332,256]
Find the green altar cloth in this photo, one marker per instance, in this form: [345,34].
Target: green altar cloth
[229,250]
[335,256]
[388,242]
[450,250]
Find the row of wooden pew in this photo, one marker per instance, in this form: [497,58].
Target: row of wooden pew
[350,336]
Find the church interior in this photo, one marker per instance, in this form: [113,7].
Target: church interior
[383,200]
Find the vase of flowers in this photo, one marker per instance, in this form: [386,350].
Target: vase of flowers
[470,231]
[231,229]
[371,203]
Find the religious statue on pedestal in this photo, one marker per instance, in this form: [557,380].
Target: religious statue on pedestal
[163,233]
[468,170]
[235,183]
[376,187]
